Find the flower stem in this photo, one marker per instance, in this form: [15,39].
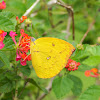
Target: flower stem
[16,83]
[16,92]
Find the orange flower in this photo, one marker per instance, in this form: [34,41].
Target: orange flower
[1,31]
[2,35]
[23,47]
[87,73]
[21,20]
[2,5]
[92,73]
[94,70]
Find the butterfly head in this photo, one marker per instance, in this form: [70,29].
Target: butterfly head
[33,39]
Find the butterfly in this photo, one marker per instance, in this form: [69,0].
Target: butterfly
[49,55]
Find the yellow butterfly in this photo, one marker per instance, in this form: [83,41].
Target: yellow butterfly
[49,55]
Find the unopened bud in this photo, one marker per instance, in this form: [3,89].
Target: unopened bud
[28,21]
[80,46]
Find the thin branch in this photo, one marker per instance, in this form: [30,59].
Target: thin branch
[31,8]
[59,2]
[73,26]
[68,27]
[70,10]
[68,23]
[89,28]
[50,17]
[48,88]
[51,2]
[23,88]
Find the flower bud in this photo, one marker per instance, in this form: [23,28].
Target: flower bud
[80,46]
[28,21]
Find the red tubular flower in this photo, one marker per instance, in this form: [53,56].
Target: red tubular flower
[13,34]
[72,65]
[2,35]
[87,73]
[94,70]
[23,47]
[1,31]
[2,5]
[21,20]
[92,73]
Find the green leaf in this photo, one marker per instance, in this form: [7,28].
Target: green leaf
[6,24]
[17,7]
[12,76]
[81,54]
[83,67]
[77,88]
[6,86]
[92,93]
[88,51]
[9,15]
[25,70]
[2,74]
[61,86]
[95,51]
[37,85]
[1,64]
[4,58]
[92,61]
[9,44]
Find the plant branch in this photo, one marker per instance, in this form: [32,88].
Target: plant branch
[51,2]
[68,27]
[23,87]
[89,28]
[70,10]
[16,83]
[31,8]
[50,17]
[48,88]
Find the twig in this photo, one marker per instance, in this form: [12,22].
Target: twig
[68,23]
[48,88]
[73,26]
[68,27]
[71,98]
[31,8]
[89,28]
[23,88]
[35,30]
[51,2]
[50,17]
[70,10]
[16,83]
[59,2]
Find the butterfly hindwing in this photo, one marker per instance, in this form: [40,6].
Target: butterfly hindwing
[49,56]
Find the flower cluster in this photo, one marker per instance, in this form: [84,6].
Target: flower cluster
[21,20]
[2,5]
[92,73]
[72,65]
[23,47]
[2,36]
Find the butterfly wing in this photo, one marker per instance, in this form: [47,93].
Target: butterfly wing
[49,56]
